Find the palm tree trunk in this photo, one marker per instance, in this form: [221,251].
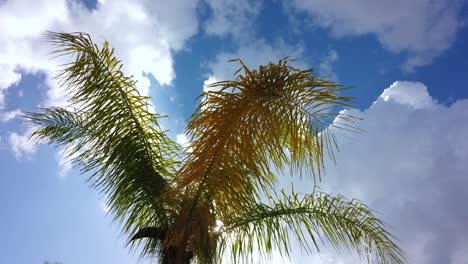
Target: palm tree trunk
[177,255]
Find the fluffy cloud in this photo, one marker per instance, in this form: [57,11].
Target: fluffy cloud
[231,17]
[410,165]
[423,28]
[7,116]
[409,93]
[8,77]
[144,33]
[21,145]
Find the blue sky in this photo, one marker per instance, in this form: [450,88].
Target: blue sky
[407,62]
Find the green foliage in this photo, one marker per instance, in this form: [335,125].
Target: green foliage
[109,132]
[169,201]
[348,225]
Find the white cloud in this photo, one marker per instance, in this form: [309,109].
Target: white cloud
[144,33]
[7,116]
[21,145]
[8,77]
[22,24]
[411,93]
[423,28]
[182,139]
[410,165]
[207,82]
[232,17]
[325,68]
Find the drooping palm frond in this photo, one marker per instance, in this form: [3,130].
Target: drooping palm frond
[345,224]
[113,135]
[277,115]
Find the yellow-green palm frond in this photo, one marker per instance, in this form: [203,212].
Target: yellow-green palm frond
[276,115]
[348,225]
[111,133]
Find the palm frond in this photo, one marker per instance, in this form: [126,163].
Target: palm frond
[113,135]
[345,224]
[277,115]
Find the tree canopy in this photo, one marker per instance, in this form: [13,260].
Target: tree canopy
[190,204]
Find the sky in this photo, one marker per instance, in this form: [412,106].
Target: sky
[407,62]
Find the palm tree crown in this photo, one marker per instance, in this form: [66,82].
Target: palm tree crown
[169,200]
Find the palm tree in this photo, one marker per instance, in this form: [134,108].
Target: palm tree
[193,204]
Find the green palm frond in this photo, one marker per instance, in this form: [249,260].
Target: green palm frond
[345,224]
[113,135]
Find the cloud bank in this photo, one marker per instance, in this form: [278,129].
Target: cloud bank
[422,28]
[410,165]
[144,33]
